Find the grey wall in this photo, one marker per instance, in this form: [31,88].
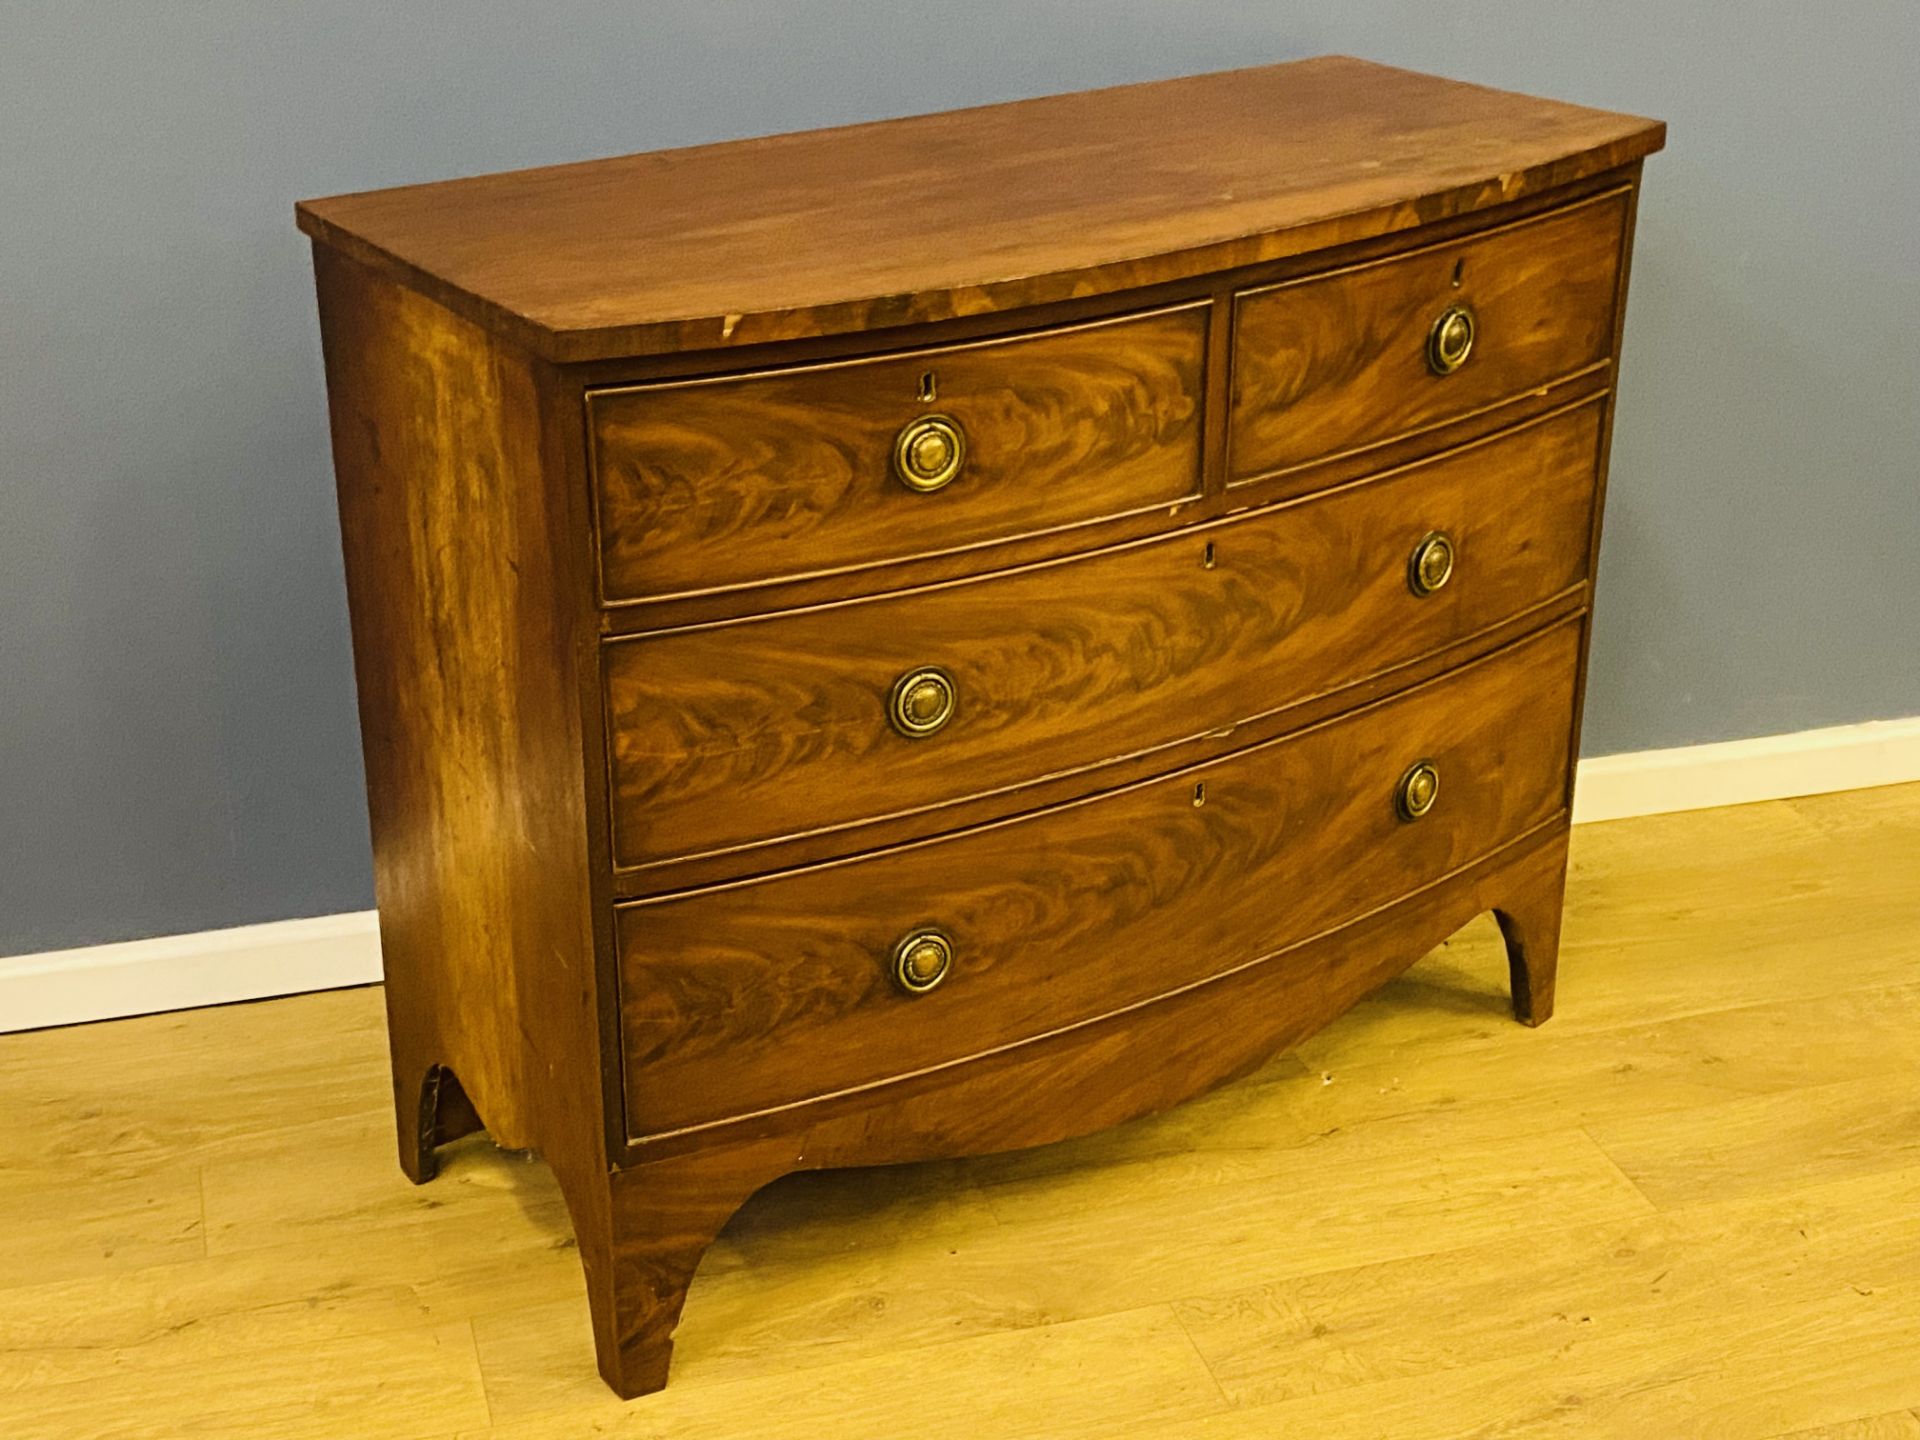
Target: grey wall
[176,718]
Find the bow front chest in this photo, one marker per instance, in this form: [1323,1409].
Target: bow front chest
[937,636]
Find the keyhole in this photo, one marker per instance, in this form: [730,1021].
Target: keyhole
[1458,266]
[930,383]
[1206,563]
[1199,794]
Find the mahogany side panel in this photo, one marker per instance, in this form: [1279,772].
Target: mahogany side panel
[1339,362]
[726,739]
[462,594]
[777,990]
[746,481]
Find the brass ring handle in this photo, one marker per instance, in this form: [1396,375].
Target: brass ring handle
[1450,340]
[928,453]
[1417,790]
[1430,565]
[921,959]
[922,701]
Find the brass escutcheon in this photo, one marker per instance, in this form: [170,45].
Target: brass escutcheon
[1417,790]
[921,959]
[929,452]
[1431,564]
[922,701]
[1450,340]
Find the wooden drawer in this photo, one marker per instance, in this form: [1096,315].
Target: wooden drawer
[763,993]
[716,484]
[1339,363]
[738,735]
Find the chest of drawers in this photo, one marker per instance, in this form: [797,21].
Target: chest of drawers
[939,636]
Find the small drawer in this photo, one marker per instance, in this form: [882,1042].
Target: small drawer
[756,995]
[711,485]
[727,737]
[1343,362]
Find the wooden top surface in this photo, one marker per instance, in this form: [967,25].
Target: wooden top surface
[969,211]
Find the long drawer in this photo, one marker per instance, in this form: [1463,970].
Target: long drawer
[715,484]
[768,992]
[724,738]
[1360,357]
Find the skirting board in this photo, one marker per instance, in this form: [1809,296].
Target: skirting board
[288,957]
[1739,772]
[180,972]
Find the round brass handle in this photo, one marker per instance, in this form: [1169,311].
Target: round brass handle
[929,452]
[922,701]
[921,959]
[1417,790]
[1450,340]
[1430,565]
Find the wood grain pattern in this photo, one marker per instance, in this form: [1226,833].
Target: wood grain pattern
[1309,984]
[1132,1370]
[1744,1373]
[57,1230]
[724,739]
[1767,1143]
[1339,362]
[752,996]
[1349,1325]
[1897,1425]
[752,480]
[941,215]
[816,846]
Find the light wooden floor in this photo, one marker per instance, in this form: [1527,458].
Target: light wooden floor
[1688,1207]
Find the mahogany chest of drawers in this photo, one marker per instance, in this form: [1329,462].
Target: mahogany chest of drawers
[938,636]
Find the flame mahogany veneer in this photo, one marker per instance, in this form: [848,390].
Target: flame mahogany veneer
[1256,427]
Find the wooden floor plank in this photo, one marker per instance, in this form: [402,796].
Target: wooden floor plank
[1055,1382]
[1455,1309]
[345,1184]
[189,1314]
[1900,1425]
[56,1231]
[1742,1373]
[417,1384]
[1770,1143]
[164,1091]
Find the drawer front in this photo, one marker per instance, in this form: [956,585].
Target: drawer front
[764,993]
[715,484]
[1337,363]
[730,736]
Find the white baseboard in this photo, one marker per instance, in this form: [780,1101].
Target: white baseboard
[1738,772]
[287,957]
[180,972]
